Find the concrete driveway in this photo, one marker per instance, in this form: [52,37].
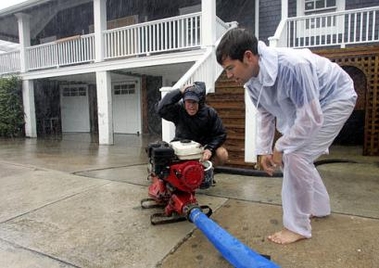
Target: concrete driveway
[72,203]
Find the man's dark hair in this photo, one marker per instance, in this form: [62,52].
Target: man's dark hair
[234,44]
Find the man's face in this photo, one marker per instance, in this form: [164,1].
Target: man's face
[239,71]
[191,107]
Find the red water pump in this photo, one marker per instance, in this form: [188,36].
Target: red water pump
[174,180]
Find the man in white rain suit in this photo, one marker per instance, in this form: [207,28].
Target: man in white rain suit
[309,99]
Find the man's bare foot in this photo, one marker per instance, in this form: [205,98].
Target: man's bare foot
[285,236]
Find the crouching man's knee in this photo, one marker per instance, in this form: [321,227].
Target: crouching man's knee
[220,157]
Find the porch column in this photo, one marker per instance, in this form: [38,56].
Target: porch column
[284,12]
[256,21]
[168,128]
[24,36]
[104,107]
[208,27]
[100,24]
[250,130]
[29,108]
[208,34]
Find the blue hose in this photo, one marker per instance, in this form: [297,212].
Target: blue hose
[234,251]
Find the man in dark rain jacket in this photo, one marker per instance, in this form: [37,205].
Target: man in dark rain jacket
[194,120]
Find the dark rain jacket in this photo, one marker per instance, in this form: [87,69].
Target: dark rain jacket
[205,127]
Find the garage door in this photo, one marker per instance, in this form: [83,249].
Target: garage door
[126,108]
[74,108]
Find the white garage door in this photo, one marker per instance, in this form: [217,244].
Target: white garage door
[74,108]
[126,108]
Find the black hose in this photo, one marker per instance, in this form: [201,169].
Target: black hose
[332,161]
[261,173]
[245,171]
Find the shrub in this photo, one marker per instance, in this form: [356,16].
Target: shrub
[11,109]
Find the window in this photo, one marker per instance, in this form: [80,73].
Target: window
[319,6]
[124,89]
[321,19]
[74,91]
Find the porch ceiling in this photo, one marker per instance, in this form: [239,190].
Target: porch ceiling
[174,71]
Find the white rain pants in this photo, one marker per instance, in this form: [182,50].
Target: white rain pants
[303,192]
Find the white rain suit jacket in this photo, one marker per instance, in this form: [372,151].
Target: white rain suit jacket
[311,98]
[294,86]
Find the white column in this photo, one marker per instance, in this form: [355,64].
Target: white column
[168,128]
[24,36]
[285,9]
[208,27]
[29,108]
[104,107]
[208,33]
[100,24]
[250,129]
[257,19]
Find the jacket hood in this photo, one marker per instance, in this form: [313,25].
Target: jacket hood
[268,65]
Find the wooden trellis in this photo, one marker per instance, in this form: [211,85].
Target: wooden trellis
[366,59]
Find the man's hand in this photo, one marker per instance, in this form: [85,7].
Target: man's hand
[278,158]
[271,162]
[183,89]
[207,154]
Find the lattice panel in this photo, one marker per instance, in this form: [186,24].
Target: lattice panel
[367,60]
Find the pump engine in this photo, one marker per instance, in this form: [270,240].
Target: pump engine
[176,173]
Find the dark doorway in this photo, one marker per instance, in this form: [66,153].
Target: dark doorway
[353,131]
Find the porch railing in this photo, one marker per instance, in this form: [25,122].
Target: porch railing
[342,28]
[163,35]
[159,36]
[206,68]
[72,50]
[9,62]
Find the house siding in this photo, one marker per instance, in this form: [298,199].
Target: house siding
[292,4]
[65,23]
[242,11]
[269,18]
[353,4]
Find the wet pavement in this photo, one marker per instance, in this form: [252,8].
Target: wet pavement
[73,203]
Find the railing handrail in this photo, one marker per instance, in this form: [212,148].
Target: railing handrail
[169,34]
[333,13]
[186,78]
[153,22]
[9,62]
[340,28]
[62,40]
[190,76]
